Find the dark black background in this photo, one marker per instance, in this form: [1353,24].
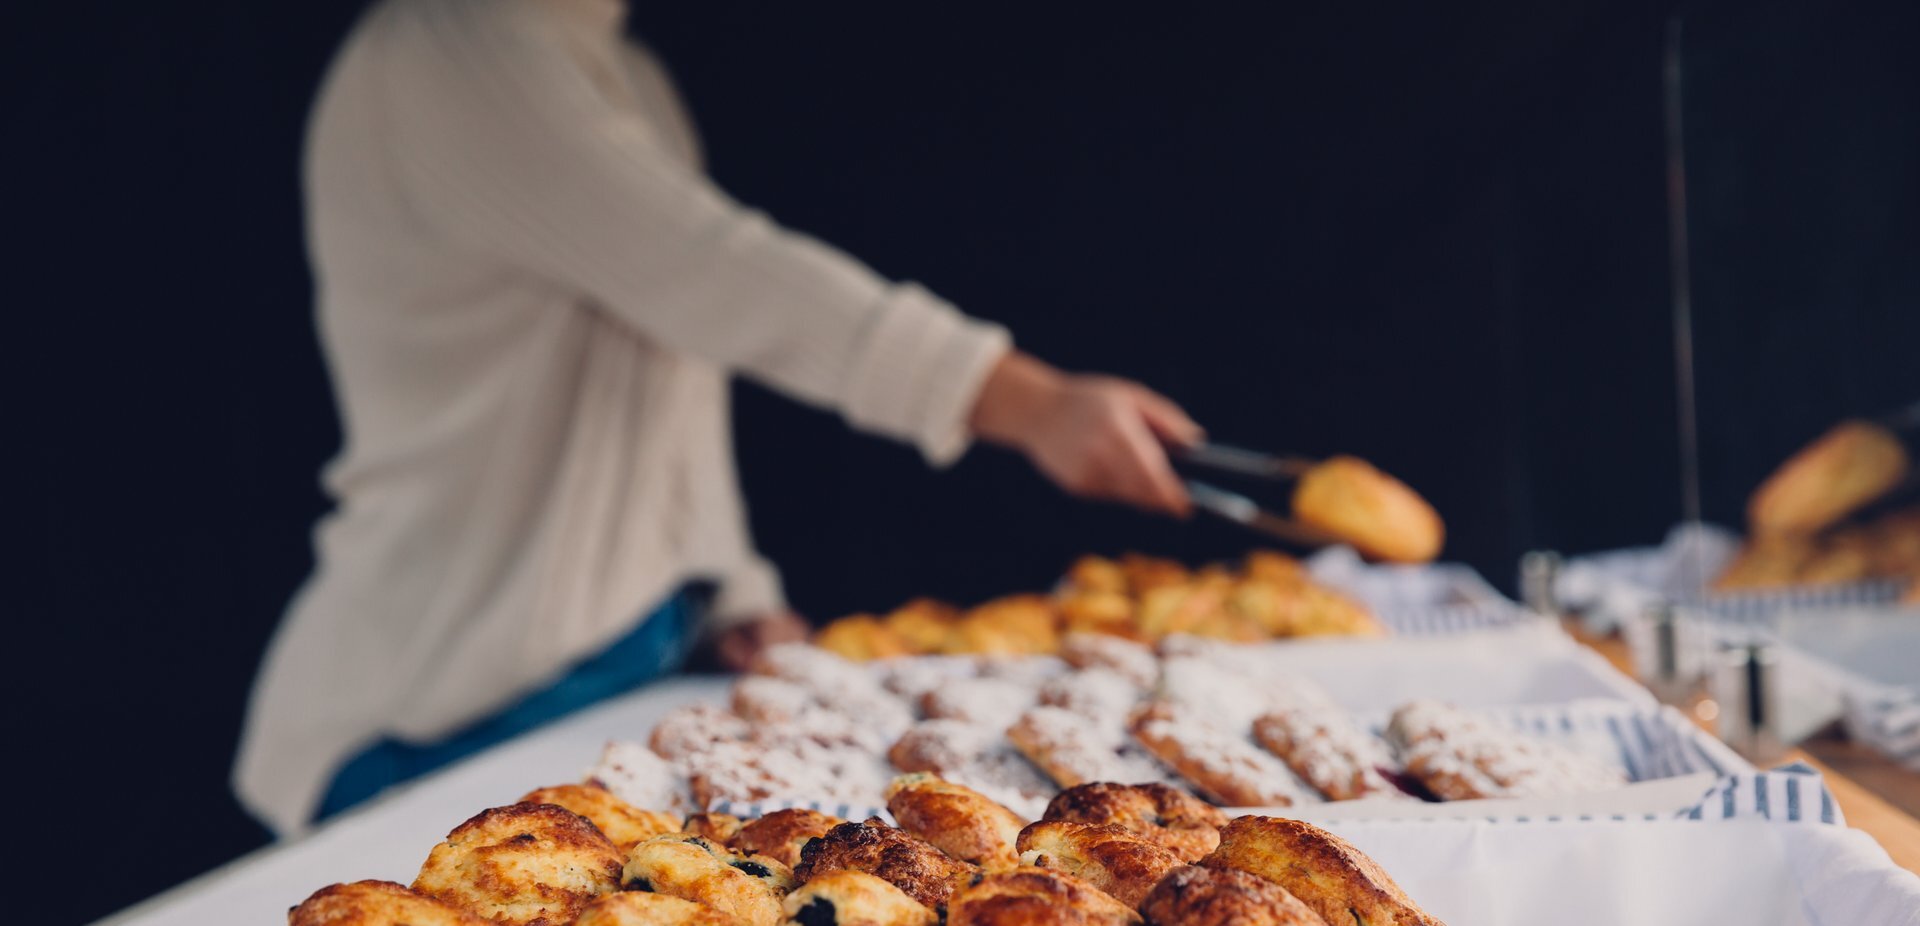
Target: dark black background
[1432,235]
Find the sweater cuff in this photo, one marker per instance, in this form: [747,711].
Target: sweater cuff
[918,372]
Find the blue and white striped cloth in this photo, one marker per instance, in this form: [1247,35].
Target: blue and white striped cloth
[1788,794]
[1888,719]
[1446,620]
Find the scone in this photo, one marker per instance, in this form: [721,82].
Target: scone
[854,898]
[1347,498]
[1338,881]
[959,821]
[640,908]
[746,888]
[377,903]
[780,834]
[1037,897]
[523,865]
[925,873]
[1196,896]
[1108,857]
[718,828]
[862,638]
[1161,814]
[623,823]
[924,623]
[1849,466]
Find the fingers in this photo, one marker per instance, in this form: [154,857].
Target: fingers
[1169,421]
[1140,473]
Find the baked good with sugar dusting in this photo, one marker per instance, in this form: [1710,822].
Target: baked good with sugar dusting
[925,873]
[1329,751]
[1072,752]
[522,865]
[640,908]
[1159,813]
[1197,896]
[1219,761]
[1108,857]
[1336,880]
[854,898]
[377,903]
[1037,897]
[622,823]
[1460,755]
[747,888]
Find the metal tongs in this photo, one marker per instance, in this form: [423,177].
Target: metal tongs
[1240,509]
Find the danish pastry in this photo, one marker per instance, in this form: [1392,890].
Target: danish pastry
[1130,660]
[746,888]
[1097,574]
[862,638]
[1196,896]
[924,623]
[1072,751]
[925,873]
[1160,814]
[993,702]
[717,828]
[959,821]
[1462,756]
[1333,878]
[639,908]
[1849,466]
[1146,573]
[522,865]
[1100,695]
[1218,761]
[1016,625]
[621,822]
[377,903]
[1108,857]
[854,898]
[1037,897]
[780,834]
[1328,751]
[1351,500]
[978,757]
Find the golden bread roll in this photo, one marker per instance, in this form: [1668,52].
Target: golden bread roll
[746,888]
[524,865]
[1179,607]
[1161,814]
[640,908]
[1274,567]
[1098,612]
[1195,896]
[718,828]
[854,898]
[1108,857]
[925,873]
[1146,573]
[377,903]
[780,835]
[1037,897]
[1097,574]
[924,623]
[862,638]
[1016,625]
[1848,467]
[1347,498]
[959,821]
[1338,881]
[621,822]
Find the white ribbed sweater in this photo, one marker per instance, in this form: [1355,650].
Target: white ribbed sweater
[530,299]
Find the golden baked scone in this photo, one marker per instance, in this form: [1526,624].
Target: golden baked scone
[1196,896]
[959,821]
[621,822]
[1848,467]
[641,908]
[1321,611]
[780,834]
[1273,567]
[746,888]
[1348,498]
[862,638]
[1108,857]
[717,828]
[523,865]
[1097,574]
[1161,814]
[1146,573]
[377,903]
[924,623]
[1338,881]
[854,898]
[1098,612]
[1037,897]
[1178,607]
[925,873]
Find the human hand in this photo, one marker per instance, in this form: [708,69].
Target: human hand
[737,646]
[1097,437]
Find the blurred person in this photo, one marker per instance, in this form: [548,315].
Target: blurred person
[531,298]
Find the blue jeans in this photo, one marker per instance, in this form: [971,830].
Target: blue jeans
[656,647]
